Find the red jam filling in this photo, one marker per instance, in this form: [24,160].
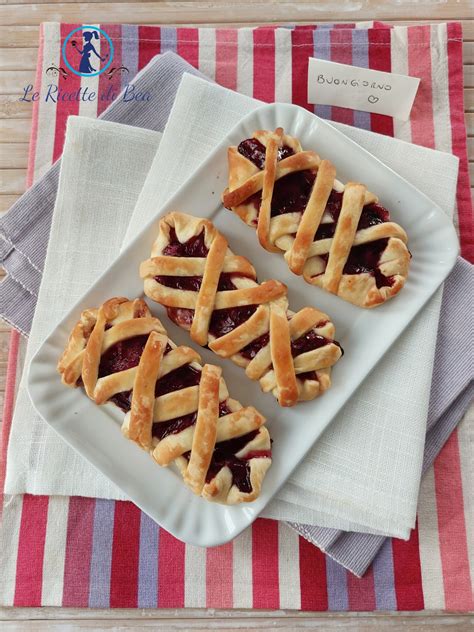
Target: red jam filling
[194,247]
[291,194]
[163,429]
[122,355]
[126,354]
[193,283]
[183,377]
[365,258]
[309,341]
[223,321]
[255,151]
[225,456]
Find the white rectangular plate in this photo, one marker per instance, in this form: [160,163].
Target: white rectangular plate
[364,334]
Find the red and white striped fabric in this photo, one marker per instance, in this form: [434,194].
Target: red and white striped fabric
[82,552]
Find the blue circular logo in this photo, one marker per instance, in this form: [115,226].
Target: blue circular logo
[88,55]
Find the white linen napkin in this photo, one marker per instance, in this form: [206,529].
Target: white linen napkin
[364,473]
[36,455]
[103,169]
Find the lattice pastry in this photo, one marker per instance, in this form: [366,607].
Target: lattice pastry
[337,236]
[177,410]
[214,294]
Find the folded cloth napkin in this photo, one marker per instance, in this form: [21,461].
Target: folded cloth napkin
[102,171]
[166,71]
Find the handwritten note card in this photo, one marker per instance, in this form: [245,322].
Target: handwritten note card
[330,83]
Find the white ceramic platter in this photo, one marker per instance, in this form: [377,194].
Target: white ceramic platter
[364,334]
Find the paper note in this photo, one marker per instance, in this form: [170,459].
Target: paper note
[330,83]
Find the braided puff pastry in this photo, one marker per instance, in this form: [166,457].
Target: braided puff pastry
[177,410]
[337,236]
[215,295]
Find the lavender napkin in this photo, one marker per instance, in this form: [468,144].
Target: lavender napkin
[25,231]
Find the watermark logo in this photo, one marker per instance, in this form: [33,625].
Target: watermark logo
[88,51]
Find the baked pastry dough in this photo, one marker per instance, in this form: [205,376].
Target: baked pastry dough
[177,410]
[215,295]
[337,236]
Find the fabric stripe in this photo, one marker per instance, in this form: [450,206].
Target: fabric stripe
[168,39]
[226,58]
[407,573]
[313,582]
[125,553]
[440,96]
[452,530]
[289,567]
[8,403]
[194,576]
[130,51]
[360,57]
[430,556]
[106,86]
[37,87]
[69,84]
[188,45]
[149,44]
[54,551]
[341,52]
[78,552]
[29,568]
[336,580]
[466,441]
[399,61]
[148,562]
[40,154]
[171,571]
[361,591]
[265,564]
[207,52]
[93,84]
[322,50]
[456,99]
[219,585]
[302,49]
[419,65]
[264,64]
[380,59]
[384,583]
[9,542]
[245,61]
[243,555]
[283,69]
[101,557]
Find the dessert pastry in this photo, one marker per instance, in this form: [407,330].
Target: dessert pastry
[177,410]
[337,236]
[215,295]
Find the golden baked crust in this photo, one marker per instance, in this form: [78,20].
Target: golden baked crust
[320,261]
[211,417]
[275,363]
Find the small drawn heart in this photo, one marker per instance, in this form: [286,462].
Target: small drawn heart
[372,99]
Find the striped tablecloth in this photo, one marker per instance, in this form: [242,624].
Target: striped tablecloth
[82,552]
